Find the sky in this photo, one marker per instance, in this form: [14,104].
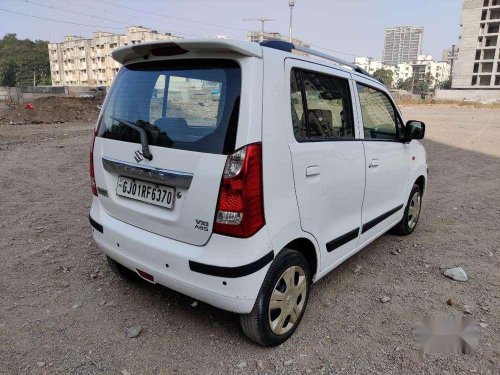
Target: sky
[347,28]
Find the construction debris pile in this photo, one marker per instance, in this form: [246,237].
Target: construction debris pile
[51,110]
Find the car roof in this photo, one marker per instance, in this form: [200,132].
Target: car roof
[177,47]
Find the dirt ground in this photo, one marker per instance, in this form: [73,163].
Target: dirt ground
[62,311]
[51,110]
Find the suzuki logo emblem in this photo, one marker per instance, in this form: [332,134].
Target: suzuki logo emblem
[138,156]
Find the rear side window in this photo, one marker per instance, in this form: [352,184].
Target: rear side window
[182,104]
[379,116]
[327,102]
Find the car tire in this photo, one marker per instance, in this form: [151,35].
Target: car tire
[120,270]
[412,213]
[273,326]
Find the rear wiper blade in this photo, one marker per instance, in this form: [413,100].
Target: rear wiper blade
[142,132]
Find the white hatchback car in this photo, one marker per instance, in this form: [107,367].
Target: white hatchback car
[239,173]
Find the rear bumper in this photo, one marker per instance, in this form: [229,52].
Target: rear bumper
[226,272]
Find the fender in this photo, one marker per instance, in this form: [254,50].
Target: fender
[418,165]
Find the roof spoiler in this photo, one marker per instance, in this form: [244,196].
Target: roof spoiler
[183,46]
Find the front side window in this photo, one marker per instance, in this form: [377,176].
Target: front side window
[379,116]
[326,111]
[184,104]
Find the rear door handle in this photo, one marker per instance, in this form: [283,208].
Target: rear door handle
[313,170]
[373,163]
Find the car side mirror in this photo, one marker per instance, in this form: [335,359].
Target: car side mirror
[414,130]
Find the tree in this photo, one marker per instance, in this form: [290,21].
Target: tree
[405,84]
[417,84]
[423,83]
[8,72]
[20,59]
[384,75]
[445,85]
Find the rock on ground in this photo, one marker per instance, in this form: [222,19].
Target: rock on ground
[456,273]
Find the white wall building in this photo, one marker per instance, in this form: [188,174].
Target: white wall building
[439,70]
[80,61]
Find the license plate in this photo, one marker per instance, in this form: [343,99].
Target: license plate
[144,191]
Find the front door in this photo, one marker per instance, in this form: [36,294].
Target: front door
[328,161]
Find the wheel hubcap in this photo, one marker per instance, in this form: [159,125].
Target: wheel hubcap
[414,210]
[287,300]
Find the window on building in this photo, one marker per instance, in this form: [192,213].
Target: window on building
[491,41]
[326,112]
[485,3]
[476,68]
[495,14]
[497,81]
[484,80]
[478,54]
[493,28]
[487,67]
[380,120]
[489,54]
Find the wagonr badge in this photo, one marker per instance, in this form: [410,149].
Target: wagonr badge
[287,165]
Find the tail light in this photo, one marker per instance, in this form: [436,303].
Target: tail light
[240,208]
[91,165]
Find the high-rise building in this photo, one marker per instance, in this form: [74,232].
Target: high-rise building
[80,61]
[402,44]
[478,62]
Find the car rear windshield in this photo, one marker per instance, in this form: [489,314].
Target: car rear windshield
[183,104]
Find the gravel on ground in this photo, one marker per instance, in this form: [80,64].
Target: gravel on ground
[64,312]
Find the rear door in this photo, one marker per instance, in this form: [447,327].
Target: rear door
[190,112]
[328,160]
[387,160]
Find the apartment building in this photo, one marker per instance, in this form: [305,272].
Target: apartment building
[439,70]
[402,44]
[478,62]
[370,64]
[80,61]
